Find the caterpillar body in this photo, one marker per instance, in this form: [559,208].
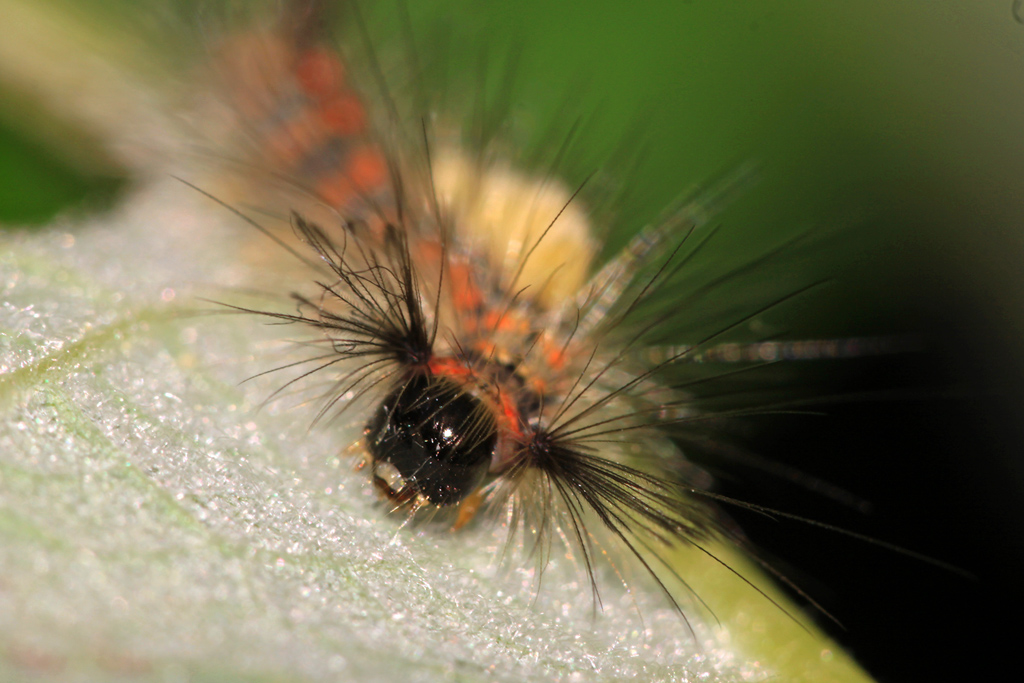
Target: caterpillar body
[499,369]
[503,380]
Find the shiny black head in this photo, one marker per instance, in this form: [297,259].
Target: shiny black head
[431,438]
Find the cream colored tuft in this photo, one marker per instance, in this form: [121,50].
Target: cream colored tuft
[503,213]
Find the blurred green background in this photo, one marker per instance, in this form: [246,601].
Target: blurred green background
[896,122]
[900,119]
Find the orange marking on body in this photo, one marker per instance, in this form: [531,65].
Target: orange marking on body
[367,169]
[553,355]
[319,73]
[556,359]
[343,115]
[507,322]
[504,408]
[510,416]
[449,367]
[466,295]
[492,320]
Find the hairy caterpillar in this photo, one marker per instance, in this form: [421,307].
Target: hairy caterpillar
[453,298]
[242,199]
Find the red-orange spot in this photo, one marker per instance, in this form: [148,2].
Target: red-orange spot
[506,322]
[511,416]
[319,73]
[343,115]
[367,169]
[556,360]
[553,355]
[465,294]
[449,367]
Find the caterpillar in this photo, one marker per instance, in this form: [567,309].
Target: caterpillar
[496,369]
[482,377]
